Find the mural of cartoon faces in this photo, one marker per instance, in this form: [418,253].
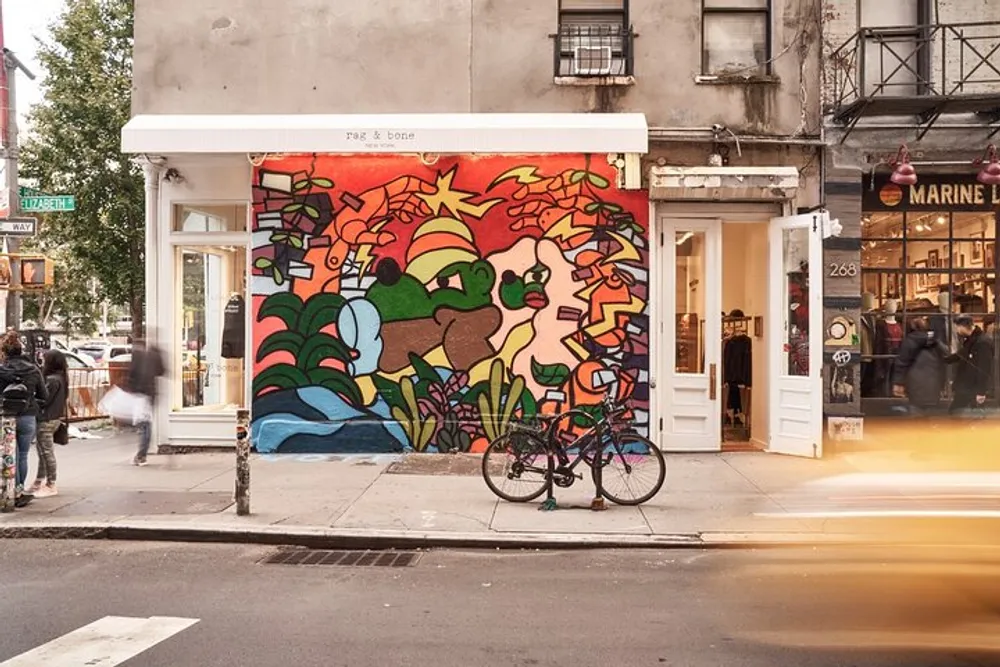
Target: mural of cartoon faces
[404,307]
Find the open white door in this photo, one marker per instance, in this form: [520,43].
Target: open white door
[691,322]
[795,322]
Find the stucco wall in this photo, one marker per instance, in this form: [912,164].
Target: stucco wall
[400,305]
[344,56]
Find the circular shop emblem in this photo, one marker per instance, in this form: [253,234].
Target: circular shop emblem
[841,358]
[891,194]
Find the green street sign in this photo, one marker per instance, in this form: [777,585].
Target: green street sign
[47,203]
[25,191]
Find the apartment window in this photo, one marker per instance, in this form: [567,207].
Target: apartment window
[736,37]
[594,39]
[896,58]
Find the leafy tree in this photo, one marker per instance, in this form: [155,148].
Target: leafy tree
[74,148]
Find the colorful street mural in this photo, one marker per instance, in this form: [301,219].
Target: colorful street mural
[399,305]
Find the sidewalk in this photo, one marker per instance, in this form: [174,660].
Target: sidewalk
[414,500]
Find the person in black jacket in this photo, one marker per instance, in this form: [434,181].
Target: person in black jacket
[17,368]
[918,372]
[974,371]
[56,375]
[146,369]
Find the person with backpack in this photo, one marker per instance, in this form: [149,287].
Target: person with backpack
[22,390]
[918,373]
[50,419]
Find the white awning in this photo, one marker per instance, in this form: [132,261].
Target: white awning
[511,133]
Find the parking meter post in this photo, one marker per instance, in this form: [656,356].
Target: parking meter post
[242,462]
[597,504]
[8,464]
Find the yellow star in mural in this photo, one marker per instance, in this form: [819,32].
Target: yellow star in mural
[454,200]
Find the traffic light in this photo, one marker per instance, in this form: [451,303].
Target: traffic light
[34,271]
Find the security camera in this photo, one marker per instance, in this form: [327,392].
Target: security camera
[717,128]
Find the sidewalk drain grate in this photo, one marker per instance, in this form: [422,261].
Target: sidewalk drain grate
[342,558]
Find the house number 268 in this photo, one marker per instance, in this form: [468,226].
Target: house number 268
[843,270]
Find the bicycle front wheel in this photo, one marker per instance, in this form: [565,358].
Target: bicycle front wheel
[633,470]
[517,468]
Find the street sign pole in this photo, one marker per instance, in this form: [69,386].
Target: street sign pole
[10,66]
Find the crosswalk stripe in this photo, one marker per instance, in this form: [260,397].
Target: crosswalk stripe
[106,642]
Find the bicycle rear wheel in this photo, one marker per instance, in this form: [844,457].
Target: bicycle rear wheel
[633,471]
[517,468]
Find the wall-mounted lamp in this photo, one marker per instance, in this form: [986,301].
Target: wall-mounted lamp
[990,173]
[903,172]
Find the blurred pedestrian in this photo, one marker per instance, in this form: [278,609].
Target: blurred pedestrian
[144,372]
[56,374]
[974,371]
[23,389]
[918,372]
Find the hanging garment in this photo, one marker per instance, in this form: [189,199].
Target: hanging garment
[234,328]
[737,361]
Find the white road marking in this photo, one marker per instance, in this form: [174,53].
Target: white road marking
[107,642]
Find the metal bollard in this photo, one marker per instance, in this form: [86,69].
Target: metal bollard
[8,465]
[242,462]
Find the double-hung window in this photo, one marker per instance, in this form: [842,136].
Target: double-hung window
[736,37]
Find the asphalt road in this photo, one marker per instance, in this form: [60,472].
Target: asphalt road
[806,608]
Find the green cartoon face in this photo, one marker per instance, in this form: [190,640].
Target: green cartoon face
[525,291]
[462,286]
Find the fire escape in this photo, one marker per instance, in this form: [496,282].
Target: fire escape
[917,74]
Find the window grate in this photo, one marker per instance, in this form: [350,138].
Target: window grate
[342,558]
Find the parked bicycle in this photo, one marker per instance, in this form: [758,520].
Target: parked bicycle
[534,456]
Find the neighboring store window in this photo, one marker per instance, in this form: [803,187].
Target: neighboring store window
[211,327]
[194,218]
[931,263]
[795,263]
[690,310]
[594,38]
[736,37]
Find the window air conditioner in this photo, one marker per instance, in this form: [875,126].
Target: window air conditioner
[592,61]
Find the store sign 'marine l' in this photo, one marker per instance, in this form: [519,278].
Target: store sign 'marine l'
[933,193]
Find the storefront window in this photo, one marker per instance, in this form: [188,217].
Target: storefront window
[921,261]
[196,218]
[795,261]
[690,309]
[211,328]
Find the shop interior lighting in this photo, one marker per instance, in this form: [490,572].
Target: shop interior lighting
[903,172]
[990,172]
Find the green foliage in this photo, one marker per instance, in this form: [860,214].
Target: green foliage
[418,429]
[303,338]
[549,375]
[497,406]
[74,148]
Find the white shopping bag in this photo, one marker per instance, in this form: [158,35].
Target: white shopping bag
[125,407]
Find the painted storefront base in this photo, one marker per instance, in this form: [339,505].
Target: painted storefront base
[403,304]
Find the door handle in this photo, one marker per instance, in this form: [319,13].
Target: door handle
[712,377]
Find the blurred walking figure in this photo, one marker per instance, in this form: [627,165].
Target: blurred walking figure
[974,373]
[50,419]
[143,376]
[918,373]
[22,390]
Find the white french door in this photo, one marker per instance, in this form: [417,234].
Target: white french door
[691,284]
[795,322]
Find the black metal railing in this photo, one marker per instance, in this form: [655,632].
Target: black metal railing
[943,60]
[594,50]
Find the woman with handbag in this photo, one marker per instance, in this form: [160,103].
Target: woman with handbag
[51,422]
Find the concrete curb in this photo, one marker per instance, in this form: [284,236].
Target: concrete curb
[332,538]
